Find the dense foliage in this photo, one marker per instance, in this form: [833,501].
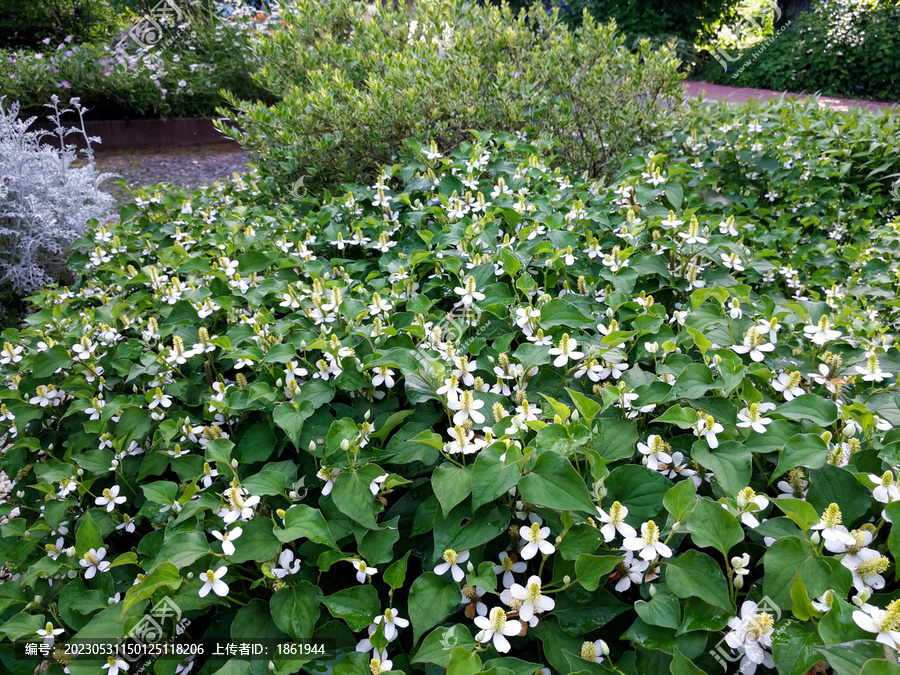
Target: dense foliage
[45,203]
[480,415]
[24,23]
[207,51]
[354,86]
[846,48]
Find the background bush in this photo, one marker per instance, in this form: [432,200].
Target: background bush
[847,48]
[24,23]
[353,89]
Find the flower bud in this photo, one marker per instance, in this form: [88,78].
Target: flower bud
[312,447]
[234,464]
[470,568]
[345,445]
[70,551]
[652,591]
[815,538]
[567,580]
[38,599]
[190,575]
[71,574]
[652,347]
[676,527]
[604,648]
[79,473]
[272,666]
[739,582]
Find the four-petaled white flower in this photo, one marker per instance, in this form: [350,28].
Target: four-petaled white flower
[615,522]
[363,571]
[227,537]
[496,627]
[506,567]
[536,538]
[754,344]
[212,581]
[328,475]
[114,665]
[566,350]
[109,498]
[751,635]
[451,562]
[286,564]
[533,601]
[93,562]
[392,623]
[752,417]
[821,332]
[648,546]
[884,622]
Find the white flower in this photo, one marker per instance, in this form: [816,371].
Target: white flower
[93,562]
[363,571]
[385,376]
[392,623]
[287,564]
[631,571]
[872,372]
[866,568]
[594,651]
[115,665]
[328,475]
[109,498]
[468,293]
[754,344]
[376,484]
[615,521]
[751,634]
[648,544]
[507,567]
[886,489]
[213,582]
[884,622]
[227,538]
[752,417]
[706,428]
[533,601]
[830,526]
[789,384]
[536,536]
[655,450]
[48,632]
[748,501]
[496,627]
[821,332]
[451,563]
[466,406]
[566,350]
[824,602]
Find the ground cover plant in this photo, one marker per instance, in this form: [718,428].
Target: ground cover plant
[355,84]
[478,416]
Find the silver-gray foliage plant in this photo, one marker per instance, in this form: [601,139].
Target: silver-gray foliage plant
[45,202]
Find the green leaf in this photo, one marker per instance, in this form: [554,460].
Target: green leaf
[295,610]
[793,648]
[589,569]
[683,418]
[555,484]
[352,497]
[587,407]
[559,312]
[615,440]
[291,416]
[493,476]
[87,536]
[639,488]
[395,575]
[696,574]
[451,485]
[674,195]
[304,521]
[49,361]
[731,462]
[164,574]
[463,662]
[790,556]
[679,500]
[662,610]
[801,450]
[832,484]
[22,624]
[798,511]
[430,601]
[816,409]
[358,606]
[266,483]
[711,525]
[802,606]
[893,512]
[849,658]
[681,665]
[837,624]
[436,647]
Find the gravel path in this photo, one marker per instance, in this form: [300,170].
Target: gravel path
[186,167]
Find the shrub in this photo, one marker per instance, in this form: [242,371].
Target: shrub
[354,88]
[444,375]
[45,203]
[843,48]
[24,23]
